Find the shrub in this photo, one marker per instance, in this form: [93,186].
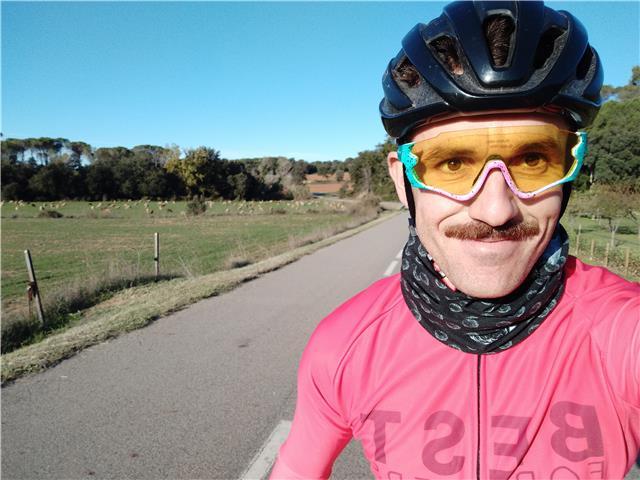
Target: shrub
[300,192]
[50,214]
[196,206]
[16,331]
[367,205]
[344,191]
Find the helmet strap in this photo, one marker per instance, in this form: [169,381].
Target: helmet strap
[566,193]
[409,194]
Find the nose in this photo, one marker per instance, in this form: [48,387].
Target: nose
[495,204]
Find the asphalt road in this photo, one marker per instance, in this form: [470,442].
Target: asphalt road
[194,394]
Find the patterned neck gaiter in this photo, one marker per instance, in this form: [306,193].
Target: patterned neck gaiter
[475,325]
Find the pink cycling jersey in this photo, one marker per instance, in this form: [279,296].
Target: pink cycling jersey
[564,403]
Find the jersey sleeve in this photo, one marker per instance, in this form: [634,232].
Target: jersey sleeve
[620,342]
[624,351]
[318,432]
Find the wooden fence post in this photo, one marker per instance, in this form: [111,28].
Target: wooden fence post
[606,254]
[578,240]
[32,289]
[156,257]
[593,246]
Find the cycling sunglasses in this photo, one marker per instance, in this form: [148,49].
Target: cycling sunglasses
[532,159]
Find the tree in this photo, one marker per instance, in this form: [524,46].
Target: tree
[15,179]
[298,171]
[324,169]
[627,92]
[613,155]
[198,170]
[46,147]
[610,203]
[53,182]
[240,183]
[111,154]
[13,149]
[79,150]
[369,171]
[154,183]
[100,181]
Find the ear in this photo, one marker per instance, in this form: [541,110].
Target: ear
[397,175]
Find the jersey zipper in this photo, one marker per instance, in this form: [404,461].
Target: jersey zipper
[478,452]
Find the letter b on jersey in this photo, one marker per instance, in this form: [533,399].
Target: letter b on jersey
[578,436]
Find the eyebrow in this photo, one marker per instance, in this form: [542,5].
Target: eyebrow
[545,144]
[439,152]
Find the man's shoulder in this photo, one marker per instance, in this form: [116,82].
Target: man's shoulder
[344,325]
[586,281]
[603,297]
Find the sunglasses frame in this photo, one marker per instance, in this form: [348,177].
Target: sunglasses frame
[409,160]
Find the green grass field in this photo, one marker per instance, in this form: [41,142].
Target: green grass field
[597,231]
[114,239]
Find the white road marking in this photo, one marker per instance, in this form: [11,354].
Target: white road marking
[390,268]
[266,456]
[393,264]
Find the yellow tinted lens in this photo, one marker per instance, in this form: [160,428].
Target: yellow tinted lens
[542,163]
[535,155]
[448,162]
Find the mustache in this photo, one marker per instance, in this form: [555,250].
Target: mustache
[483,231]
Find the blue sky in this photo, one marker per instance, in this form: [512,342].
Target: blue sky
[247,78]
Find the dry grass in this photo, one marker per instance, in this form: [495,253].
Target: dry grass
[138,306]
[19,327]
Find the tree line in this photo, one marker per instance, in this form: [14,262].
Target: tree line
[55,168]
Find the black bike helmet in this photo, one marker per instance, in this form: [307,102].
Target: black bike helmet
[549,66]
[446,69]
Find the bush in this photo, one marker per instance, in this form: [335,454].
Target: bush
[369,200]
[300,192]
[12,191]
[367,205]
[196,206]
[16,331]
[50,214]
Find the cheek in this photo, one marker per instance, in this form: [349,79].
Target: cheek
[432,208]
[432,211]
[546,208]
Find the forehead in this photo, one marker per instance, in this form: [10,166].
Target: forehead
[486,121]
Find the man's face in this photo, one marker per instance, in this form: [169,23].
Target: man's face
[460,235]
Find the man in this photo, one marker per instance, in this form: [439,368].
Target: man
[494,354]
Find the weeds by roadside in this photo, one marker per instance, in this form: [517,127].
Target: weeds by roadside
[62,307]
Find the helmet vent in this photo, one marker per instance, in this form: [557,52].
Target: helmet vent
[546,46]
[407,73]
[498,30]
[584,64]
[445,49]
